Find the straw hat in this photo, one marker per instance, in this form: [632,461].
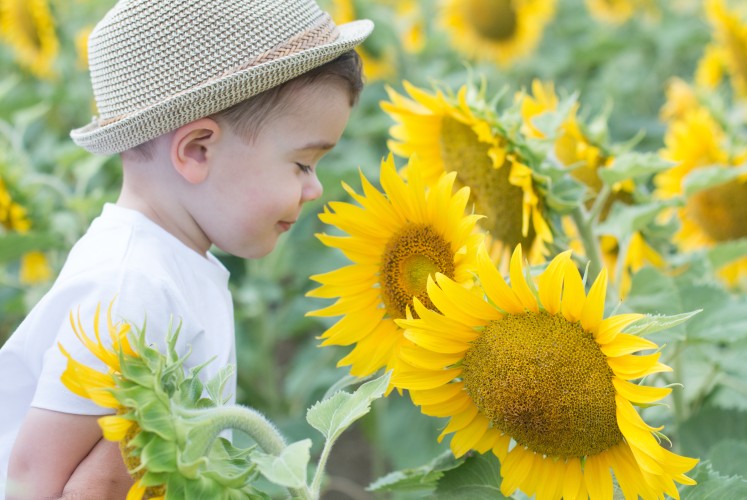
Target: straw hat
[159,64]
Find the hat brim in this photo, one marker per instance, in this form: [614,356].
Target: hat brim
[213,96]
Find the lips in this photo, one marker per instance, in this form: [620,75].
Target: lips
[285,225]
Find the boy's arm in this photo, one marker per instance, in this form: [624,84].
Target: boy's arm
[60,452]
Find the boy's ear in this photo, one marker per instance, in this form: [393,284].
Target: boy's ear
[191,148]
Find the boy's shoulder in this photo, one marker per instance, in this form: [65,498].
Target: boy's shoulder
[124,243]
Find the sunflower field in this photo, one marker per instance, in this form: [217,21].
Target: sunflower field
[526,278]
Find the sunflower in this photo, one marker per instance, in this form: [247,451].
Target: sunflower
[576,151]
[542,369]
[28,27]
[397,239]
[449,137]
[500,31]
[681,98]
[611,11]
[728,51]
[34,268]
[13,216]
[379,63]
[99,387]
[713,215]
[165,426]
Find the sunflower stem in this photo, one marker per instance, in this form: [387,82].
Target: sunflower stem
[316,483]
[213,421]
[588,238]
[599,202]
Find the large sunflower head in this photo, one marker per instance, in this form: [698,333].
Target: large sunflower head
[396,240]
[450,136]
[28,27]
[161,416]
[538,365]
[500,31]
[728,51]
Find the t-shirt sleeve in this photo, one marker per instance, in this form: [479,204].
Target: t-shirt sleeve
[137,299]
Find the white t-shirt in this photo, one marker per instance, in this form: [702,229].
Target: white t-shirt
[151,275]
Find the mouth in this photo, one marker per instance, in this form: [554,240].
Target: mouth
[285,225]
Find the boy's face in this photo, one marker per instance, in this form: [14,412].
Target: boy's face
[255,189]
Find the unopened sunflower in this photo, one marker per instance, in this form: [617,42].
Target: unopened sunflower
[713,215]
[501,31]
[164,425]
[397,238]
[544,381]
[450,137]
[28,27]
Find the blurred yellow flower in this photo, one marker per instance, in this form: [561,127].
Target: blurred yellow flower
[34,268]
[396,240]
[500,31]
[541,367]
[713,215]
[13,217]
[611,11]
[577,152]
[28,27]
[680,99]
[728,51]
[81,45]
[449,137]
[378,63]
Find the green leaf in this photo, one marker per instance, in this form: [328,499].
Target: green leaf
[14,245]
[655,323]
[624,220]
[421,478]
[726,252]
[729,457]
[714,486]
[633,165]
[478,478]
[287,469]
[701,431]
[708,177]
[332,416]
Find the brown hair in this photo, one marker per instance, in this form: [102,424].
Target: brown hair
[247,117]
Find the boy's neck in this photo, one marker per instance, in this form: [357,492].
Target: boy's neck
[141,191]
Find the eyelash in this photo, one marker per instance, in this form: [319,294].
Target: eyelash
[304,168]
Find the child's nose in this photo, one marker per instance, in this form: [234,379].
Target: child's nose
[313,188]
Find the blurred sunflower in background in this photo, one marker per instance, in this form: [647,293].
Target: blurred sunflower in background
[576,151]
[448,136]
[28,27]
[379,59]
[397,239]
[541,367]
[14,217]
[716,214]
[500,31]
[620,11]
[727,53]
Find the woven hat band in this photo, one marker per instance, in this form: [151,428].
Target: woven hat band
[322,32]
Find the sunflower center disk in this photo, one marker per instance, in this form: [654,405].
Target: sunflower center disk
[544,382]
[494,196]
[720,211]
[495,20]
[411,255]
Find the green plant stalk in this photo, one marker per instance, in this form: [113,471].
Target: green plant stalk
[316,483]
[588,239]
[213,421]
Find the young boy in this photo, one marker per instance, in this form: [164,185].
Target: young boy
[221,110]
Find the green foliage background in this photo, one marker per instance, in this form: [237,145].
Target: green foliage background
[619,72]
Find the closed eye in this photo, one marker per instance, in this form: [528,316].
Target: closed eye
[304,168]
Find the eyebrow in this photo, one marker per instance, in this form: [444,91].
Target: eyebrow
[320,145]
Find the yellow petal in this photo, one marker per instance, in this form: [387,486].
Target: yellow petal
[593,311]
[550,283]
[518,282]
[639,393]
[114,427]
